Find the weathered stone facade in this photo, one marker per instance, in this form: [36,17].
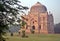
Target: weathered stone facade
[39,20]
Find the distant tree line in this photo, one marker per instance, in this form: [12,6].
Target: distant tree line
[57,28]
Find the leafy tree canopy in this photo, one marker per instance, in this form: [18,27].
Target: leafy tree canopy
[8,13]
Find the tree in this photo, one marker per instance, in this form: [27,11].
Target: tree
[22,28]
[8,14]
[57,28]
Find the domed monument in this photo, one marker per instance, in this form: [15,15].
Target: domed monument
[39,20]
[38,7]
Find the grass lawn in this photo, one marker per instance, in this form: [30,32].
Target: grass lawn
[35,37]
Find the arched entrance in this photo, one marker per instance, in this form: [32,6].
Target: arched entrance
[33,29]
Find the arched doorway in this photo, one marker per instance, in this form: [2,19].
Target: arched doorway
[33,29]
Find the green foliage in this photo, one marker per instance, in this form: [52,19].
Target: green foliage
[23,34]
[57,28]
[8,14]
[22,26]
[22,23]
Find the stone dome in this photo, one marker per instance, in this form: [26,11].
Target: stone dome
[38,7]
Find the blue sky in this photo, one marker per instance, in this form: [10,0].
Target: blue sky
[52,5]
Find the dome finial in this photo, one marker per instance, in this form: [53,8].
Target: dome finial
[38,2]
